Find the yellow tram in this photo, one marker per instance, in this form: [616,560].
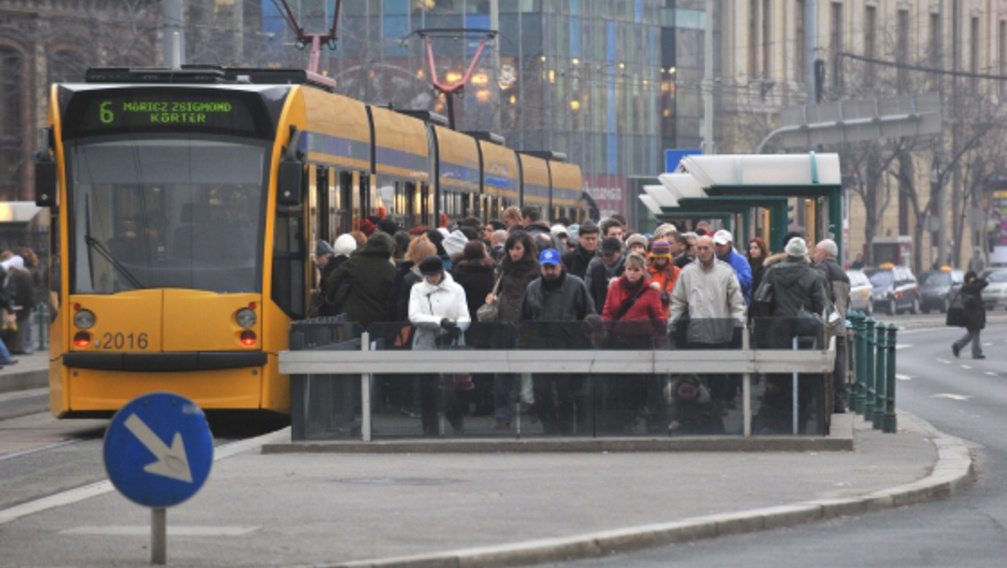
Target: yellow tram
[184,204]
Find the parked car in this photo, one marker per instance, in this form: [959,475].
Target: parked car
[936,287]
[995,295]
[860,292]
[895,289]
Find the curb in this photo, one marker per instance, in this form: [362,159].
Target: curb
[24,380]
[952,472]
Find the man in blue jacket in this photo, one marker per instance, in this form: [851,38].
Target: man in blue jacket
[722,241]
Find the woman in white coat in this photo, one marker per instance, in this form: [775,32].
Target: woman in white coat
[440,314]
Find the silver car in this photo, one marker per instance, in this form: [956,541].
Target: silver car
[995,295]
[860,292]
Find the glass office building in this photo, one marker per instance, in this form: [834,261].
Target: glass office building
[582,77]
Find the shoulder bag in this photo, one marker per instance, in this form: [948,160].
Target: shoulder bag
[956,311]
[488,313]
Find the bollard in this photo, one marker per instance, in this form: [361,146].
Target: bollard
[859,372]
[880,385]
[890,425]
[869,394]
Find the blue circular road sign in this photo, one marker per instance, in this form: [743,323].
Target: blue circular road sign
[158,449]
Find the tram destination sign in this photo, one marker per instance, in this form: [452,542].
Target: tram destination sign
[182,110]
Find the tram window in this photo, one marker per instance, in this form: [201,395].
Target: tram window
[162,213]
[347,202]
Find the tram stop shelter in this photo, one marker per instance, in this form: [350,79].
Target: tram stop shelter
[757,189]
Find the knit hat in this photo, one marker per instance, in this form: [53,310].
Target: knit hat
[454,243]
[660,249]
[791,235]
[345,245]
[431,265]
[367,227]
[637,239]
[558,230]
[322,248]
[611,245]
[588,226]
[797,247]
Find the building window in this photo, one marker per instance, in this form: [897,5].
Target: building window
[11,121]
[836,43]
[767,34]
[799,39]
[902,51]
[935,50]
[753,38]
[974,55]
[1002,54]
[870,43]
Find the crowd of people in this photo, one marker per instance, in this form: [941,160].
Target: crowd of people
[599,285]
[22,287]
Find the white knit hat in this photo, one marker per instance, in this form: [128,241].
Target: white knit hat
[797,247]
[345,245]
[455,243]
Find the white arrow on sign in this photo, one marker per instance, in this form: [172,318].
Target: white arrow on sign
[171,462]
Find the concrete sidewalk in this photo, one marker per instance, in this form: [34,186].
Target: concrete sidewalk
[486,509]
[30,372]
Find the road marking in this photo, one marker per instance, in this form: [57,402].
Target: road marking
[966,367]
[172,531]
[952,396]
[902,346]
[945,361]
[903,377]
[102,487]
[39,449]
[992,374]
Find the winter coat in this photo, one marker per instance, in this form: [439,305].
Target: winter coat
[577,261]
[796,285]
[559,308]
[693,416]
[837,284]
[665,279]
[712,300]
[372,276]
[429,304]
[407,275]
[599,275]
[569,301]
[516,278]
[477,279]
[972,304]
[743,271]
[640,320]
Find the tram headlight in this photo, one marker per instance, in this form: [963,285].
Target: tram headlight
[245,317]
[84,319]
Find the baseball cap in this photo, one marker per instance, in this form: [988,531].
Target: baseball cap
[550,256]
[722,237]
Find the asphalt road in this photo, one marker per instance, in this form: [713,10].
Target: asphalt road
[961,397]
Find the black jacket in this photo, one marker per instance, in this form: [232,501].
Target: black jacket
[372,275]
[972,304]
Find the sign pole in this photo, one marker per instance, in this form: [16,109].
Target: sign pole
[158,535]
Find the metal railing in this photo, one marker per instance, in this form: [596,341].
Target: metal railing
[366,360]
[872,392]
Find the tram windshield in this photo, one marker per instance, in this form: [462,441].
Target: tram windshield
[166,212]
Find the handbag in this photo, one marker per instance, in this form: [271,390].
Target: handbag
[488,313]
[956,312]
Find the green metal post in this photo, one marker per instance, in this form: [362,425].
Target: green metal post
[860,374]
[869,394]
[890,422]
[880,384]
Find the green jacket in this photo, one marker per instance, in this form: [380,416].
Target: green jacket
[795,285]
[371,276]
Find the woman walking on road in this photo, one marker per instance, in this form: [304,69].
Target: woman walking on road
[975,315]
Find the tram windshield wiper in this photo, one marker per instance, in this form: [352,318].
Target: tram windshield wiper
[96,245]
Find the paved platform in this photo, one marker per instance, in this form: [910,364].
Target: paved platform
[486,508]
[30,372]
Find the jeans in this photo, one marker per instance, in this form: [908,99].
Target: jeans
[5,357]
[503,400]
